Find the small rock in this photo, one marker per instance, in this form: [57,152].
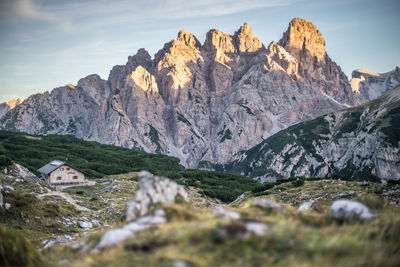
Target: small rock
[266,203]
[256,228]
[7,206]
[85,224]
[350,209]
[306,206]
[116,236]
[220,212]
[179,263]
[9,187]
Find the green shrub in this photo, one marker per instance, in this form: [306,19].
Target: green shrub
[4,161]
[298,182]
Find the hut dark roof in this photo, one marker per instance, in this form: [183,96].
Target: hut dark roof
[48,168]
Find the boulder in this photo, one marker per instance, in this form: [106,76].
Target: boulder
[153,189]
[306,205]
[257,228]
[116,236]
[85,224]
[222,213]
[346,209]
[266,203]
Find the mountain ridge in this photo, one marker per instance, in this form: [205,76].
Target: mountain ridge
[360,142]
[200,103]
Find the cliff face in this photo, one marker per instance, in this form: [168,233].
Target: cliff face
[200,102]
[361,142]
[371,85]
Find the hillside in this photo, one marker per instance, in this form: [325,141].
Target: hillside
[99,160]
[286,224]
[360,143]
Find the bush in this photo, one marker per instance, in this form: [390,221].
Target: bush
[4,161]
[298,182]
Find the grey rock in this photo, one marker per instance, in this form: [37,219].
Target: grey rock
[19,171]
[372,85]
[306,206]
[350,141]
[266,203]
[350,209]
[85,224]
[180,263]
[118,235]
[256,228]
[151,190]
[222,213]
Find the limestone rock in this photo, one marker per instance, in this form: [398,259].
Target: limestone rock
[152,190]
[257,228]
[350,209]
[351,142]
[306,206]
[7,106]
[266,203]
[222,213]
[85,224]
[372,85]
[17,170]
[118,235]
[305,42]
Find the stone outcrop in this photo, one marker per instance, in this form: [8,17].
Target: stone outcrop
[372,85]
[152,190]
[18,171]
[345,209]
[199,102]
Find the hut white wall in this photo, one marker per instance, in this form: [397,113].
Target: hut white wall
[67,175]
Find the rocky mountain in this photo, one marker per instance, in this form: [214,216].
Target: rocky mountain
[7,106]
[371,85]
[199,102]
[360,142]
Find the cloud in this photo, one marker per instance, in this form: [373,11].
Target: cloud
[73,14]
[35,10]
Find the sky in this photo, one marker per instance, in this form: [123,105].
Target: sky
[46,44]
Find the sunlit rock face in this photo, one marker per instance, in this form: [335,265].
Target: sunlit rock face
[305,42]
[371,85]
[199,102]
[7,106]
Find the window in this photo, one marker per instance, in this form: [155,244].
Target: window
[61,169]
[75,177]
[59,178]
[67,169]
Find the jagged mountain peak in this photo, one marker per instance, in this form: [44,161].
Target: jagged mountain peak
[301,35]
[188,39]
[245,29]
